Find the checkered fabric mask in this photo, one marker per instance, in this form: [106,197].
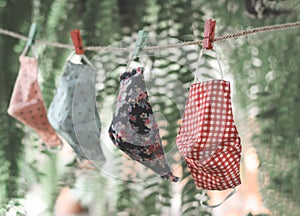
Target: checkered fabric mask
[208,138]
[27,103]
[134,130]
[73,112]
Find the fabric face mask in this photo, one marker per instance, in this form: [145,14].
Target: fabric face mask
[73,112]
[208,138]
[134,130]
[27,103]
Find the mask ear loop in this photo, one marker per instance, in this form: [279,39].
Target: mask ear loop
[70,56]
[34,52]
[219,62]
[88,62]
[197,66]
[217,205]
[27,49]
[82,57]
[131,59]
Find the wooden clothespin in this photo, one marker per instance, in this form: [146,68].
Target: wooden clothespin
[79,51]
[140,42]
[209,34]
[77,41]
[31,37]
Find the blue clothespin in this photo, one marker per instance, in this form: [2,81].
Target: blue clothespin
[140,42]
[31,37]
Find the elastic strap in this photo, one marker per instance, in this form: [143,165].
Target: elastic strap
[83,57]
[33,49]
[88,61]
[198,65]
[131,58]
[217,205]
[70,56]
[219,62]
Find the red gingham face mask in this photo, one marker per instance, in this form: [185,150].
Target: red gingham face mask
[208,138]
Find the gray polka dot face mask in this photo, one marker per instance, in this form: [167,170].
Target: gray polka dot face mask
[73,112]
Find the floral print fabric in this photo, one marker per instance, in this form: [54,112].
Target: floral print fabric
[133,129]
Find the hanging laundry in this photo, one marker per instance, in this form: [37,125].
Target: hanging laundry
[133,129]
[78,121]
[208,138]
[86,122]
[27,103]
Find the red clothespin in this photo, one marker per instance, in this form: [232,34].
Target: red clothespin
[77,41]
[209,34]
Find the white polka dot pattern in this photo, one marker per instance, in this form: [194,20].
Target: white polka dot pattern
[208,138]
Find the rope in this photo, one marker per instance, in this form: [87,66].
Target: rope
[259,29]
[153,48]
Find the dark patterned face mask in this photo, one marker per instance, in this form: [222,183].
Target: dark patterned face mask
[134,130]
[73,112]
[27,103]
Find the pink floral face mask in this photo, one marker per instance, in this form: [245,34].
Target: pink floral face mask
[27,104]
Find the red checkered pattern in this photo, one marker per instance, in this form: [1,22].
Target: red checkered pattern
[208,138]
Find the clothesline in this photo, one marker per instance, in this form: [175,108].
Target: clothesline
[153,48]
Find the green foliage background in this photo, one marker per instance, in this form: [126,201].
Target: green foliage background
[265,68]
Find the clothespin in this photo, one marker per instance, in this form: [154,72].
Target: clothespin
[77,41]
[209,34]
[31,37]
[140,42]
